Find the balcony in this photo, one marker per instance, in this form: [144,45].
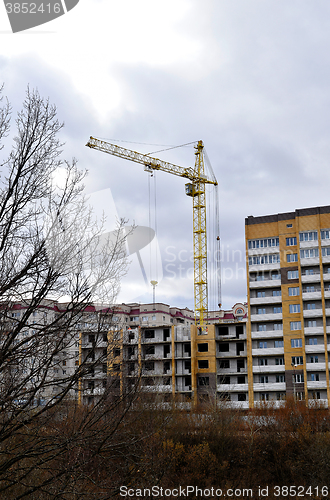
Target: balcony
[265,283]
[273,386]
[310,261]
[232,387]
[264,267]
[313,330]
[269,351]
[269,369]
[311,349]
[313,313]
[266,300]
[263,251]
[157,388]
[310,278]
[267,317]
[309,244]
[313,384]
[312,367]
[268,334]
[312,295]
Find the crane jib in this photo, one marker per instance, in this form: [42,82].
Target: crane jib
[149,161]
[196,190]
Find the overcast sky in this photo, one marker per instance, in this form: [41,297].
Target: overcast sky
[248,77]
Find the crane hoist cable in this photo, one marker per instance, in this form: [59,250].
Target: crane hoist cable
[152,209]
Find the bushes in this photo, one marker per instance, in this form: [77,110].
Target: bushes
[90,457]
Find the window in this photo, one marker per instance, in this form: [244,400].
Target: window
[276,293]
[293,291]
[264,243]
[149,350]
[289,225]
[294,308]
[297,360]
[264,396]
[149,334]
[224,363]
[276,276]
[293,275]
[203,381]
[144,318]
[277,310]
[280,378]
[202,347]
[264,379]
[292,257]
[313,359]
[278,343]
[262,345]
[148,365]
[291,242]
[296,342]
[325,252]
[315,377]
[310,289]
[295,325]
[309,253]
[153,317]
[261,310]
[312,341]
[263,361]
[262,328]
[241,397]
[311,323]
[325,234]
[309,272]
[310,307]
[264,259]
[278,326]
[279,361]
[261,294]
[308,236]
[223,347]
[203,363]
[298,378]
[223,330]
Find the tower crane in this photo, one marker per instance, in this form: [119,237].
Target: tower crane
[196,189]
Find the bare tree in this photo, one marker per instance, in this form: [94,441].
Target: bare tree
[56,263]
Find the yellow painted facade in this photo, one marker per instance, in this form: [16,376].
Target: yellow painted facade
[288,290]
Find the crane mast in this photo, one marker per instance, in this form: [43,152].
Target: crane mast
[195,189]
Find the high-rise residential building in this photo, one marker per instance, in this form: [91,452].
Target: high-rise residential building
[288,328]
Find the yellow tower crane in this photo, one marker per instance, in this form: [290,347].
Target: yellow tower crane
[196,189]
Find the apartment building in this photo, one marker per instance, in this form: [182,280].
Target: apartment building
[160,348]
[153,345]
[138,349]
[288,327]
